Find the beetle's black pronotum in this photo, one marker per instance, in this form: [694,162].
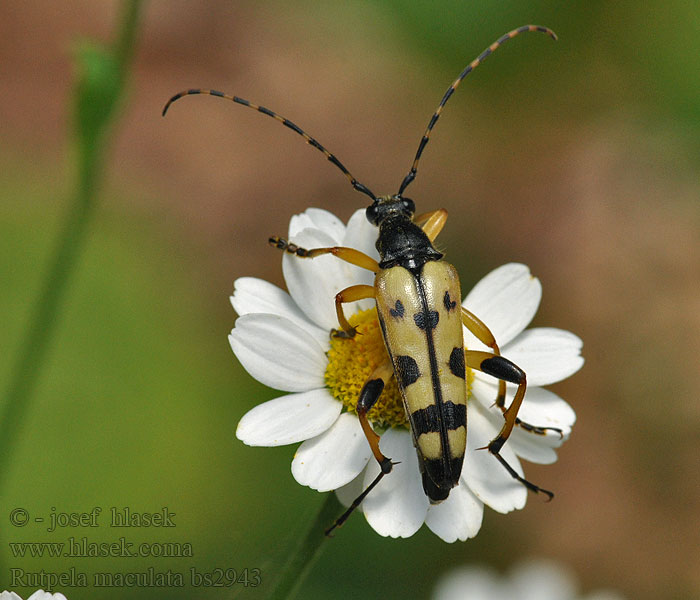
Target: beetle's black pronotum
[418,305]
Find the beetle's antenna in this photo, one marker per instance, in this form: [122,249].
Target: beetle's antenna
[470,67]
[286,122]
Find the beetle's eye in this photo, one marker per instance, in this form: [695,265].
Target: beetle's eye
[408,205]
[372,214]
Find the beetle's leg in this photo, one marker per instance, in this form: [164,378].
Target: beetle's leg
[484,335]
[369,395]
[350,294]
[432,223]
[350,255]
[505,370]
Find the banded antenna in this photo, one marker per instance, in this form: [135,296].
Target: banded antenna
[286,122]
[470,67]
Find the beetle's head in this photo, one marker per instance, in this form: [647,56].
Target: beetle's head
[389,206]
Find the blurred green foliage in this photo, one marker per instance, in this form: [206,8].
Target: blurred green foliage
[139,398]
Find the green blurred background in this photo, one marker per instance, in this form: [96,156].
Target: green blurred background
[579,158]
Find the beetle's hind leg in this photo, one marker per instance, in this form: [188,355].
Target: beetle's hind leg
[505,370]
[484,335]
[371,390]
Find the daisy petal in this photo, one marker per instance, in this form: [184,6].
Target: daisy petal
[546,354]
[361,234]
[534,447]
[480,583]
[317,218]
[253,295]
[542,580]
[545,409]
[540,407]
[350,491]
[278,353]
[482,472]
[313,283]
[288,419]
[397,507]
[334,458]
[506,300]
[41,595]
[457,518]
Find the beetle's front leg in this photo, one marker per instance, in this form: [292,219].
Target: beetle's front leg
[350,255]
[505,370]
[371,390]
[350,294]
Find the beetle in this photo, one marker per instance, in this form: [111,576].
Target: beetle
[418,298]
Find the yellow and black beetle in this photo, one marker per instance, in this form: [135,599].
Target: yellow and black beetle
[418,305]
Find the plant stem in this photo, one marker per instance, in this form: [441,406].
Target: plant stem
[303,556]
[46,310]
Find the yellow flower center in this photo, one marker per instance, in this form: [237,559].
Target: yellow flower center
[352,361]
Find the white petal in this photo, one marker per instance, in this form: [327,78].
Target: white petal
[540,407]
[534,447]
[362,235]
[289,419]
[470,583]
[457,518]
[546,409]
[313,283]
[350,491]
[506,300]
[278,353]
[42,595]
[317,218]
[333,458]
[486,477]
[397,507]
[9,596]
[252,295]
[542,580]
[546,354]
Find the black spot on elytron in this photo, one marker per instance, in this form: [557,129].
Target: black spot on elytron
[427,320]
[427,420]
[408,370]
[398,310]
[449,303]
[457,362]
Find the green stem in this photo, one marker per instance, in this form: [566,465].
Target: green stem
[46,310]
[303,556]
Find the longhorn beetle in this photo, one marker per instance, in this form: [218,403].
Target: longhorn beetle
[418,305]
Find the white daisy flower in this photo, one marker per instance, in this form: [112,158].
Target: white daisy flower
[531,580]
[282,339]
[38,595]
